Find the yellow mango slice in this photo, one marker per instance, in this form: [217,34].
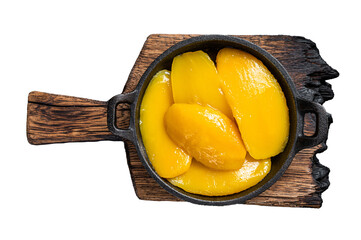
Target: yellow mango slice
[167,158]
[205,181]
[257,101]
[195,80]
[205,134]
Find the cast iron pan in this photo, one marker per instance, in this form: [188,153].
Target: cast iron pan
[211,44]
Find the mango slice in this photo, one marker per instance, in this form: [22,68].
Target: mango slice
[205,134]
[167,158]
[257,101]
[202,180]
[195,80]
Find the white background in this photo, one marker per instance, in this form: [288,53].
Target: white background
[87,49]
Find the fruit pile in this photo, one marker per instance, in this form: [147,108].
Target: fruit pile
[212,130]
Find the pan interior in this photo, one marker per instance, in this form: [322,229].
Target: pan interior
[211,45]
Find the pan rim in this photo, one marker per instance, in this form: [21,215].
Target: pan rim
[266,58]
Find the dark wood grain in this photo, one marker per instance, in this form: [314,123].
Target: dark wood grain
[306,178]
[56,118]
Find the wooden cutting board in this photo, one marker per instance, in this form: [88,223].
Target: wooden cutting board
[58,119]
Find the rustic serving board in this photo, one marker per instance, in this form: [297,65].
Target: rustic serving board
[56,118]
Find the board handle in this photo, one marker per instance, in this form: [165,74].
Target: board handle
[323,121]
[53,118]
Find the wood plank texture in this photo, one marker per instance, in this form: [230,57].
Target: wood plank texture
[306,178]
[56,118]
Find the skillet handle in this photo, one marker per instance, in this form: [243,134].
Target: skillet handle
[323,120]
[124,134]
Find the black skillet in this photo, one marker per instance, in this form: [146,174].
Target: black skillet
[211,44]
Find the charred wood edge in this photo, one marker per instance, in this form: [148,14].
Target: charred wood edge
[320,175]
[320,72]
[322,92]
